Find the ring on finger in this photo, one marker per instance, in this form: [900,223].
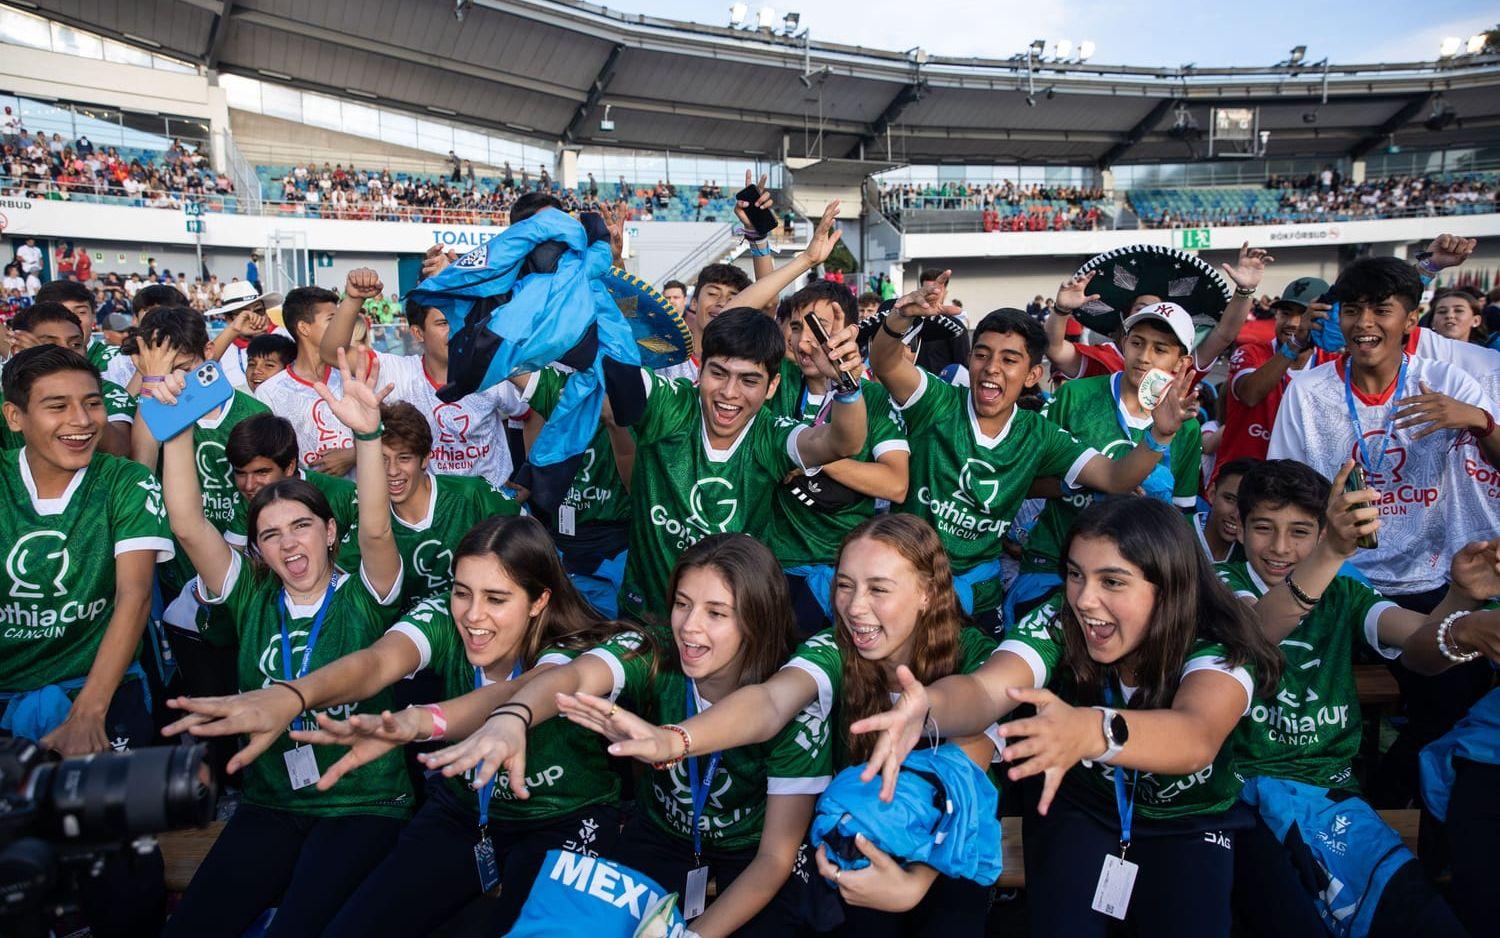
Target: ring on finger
[836,875]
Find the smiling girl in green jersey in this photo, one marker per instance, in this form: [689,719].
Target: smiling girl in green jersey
[511,614]
[750,805]
[893,596]
[291,845]
[1149,658]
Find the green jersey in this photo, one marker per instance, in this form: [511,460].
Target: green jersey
[597,495]
[57,588]
[1310,732]
[454,505]
[354,620]
[820,658]
[119,407]
[222,504]
[682,491]
[803,534]
[1039,640]
[100,354]
[796,761]
[567,768]
[969,485]
[1236,552]
[1088,409]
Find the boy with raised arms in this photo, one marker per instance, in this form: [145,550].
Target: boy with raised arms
[322,442]
[975,455]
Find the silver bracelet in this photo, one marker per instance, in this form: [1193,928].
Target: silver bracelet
[1449,651]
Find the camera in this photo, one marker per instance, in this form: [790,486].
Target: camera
[59,820]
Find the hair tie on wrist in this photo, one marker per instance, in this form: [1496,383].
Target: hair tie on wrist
[372,436]
[300,699]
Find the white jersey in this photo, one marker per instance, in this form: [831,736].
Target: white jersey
[468,435]
[1426,498]
[1480,363]
[687,368]
[120,370]
[318,430]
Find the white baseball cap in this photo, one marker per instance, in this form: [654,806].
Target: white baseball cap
[238,294]
[1176,318]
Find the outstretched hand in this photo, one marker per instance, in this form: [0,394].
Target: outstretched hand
[825,236]
[1057,738]
[1475,570]
[927,299]
[763,201]
[900,730]
[630,736]
[359,406]
[1247,271]
[1450,250]
[1073,293]
[368,737]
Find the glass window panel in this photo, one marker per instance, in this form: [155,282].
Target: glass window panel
[189,130]
[71,41]
[23,29]
[649,167]
[398,128]
[126,55]
[101,124]
[359,119]
[434,136]
[39,117]
[279,101]
[165,64]
[242,93]
[469,144]
[321,111]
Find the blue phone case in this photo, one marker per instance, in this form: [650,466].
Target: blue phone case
[206,389]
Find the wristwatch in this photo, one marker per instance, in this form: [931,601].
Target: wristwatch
[1116,732]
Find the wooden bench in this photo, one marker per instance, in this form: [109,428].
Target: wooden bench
[1375,686]
[182,851]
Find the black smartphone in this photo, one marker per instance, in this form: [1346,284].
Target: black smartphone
[844,383]
[1355,483]
[763,220]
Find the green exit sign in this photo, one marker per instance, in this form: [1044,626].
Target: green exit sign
[1195,239]
[325,259]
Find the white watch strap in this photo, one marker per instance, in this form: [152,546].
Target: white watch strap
[1111,749]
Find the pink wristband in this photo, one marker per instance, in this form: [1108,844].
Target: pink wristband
[439,722]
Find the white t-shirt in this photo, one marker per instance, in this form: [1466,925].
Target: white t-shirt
[468,435]
[1425,514]
[30,257]
[1480,363]
[687,368]
[318,430]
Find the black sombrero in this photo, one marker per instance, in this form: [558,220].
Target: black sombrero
[1128,272]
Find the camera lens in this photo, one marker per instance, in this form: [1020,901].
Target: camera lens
[110,796]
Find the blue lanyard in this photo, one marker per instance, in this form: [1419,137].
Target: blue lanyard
[1359,433]
[822,413]
[312,638]
[1114,388]
[489,786]
[1125,806]
[699,787]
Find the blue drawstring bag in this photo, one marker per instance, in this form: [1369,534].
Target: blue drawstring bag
[578,895]
[1476,737]
[943,815]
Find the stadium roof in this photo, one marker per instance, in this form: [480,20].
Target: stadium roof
[547,69]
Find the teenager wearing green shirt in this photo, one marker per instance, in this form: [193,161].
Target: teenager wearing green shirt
[1107,413]
[895,609]
[430,513]
[1298,531]
[1139,672]
[709,457]
[1219,527]
[511,615]
[815,510]
[730,626]
[262,450]
[291,845]
[975,456]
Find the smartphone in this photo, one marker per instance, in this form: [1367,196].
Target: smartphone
[207,388]
[763,220]
[1355,483]
[844,383]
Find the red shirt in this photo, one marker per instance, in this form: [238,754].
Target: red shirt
[1247,430]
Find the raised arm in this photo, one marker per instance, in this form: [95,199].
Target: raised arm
[887,352]
[844,433]
[359,410]
[764,291]
[204,545]
[1119,476]
[245,324]
[1072,294]
[361,284]
[1254,387]
[1245,274]
[762,264]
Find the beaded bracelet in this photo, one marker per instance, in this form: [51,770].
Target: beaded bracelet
[1447,649]
[1299,595]
[687,746]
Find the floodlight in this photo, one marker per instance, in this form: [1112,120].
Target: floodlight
[1062,48]
[1296,54]
[1450,47]
[1038,46]
[1085,50]
[766,18]
[920,55]
[737,13]
[1476,44]
[791,21]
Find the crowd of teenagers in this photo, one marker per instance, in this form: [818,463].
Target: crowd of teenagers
[786,557]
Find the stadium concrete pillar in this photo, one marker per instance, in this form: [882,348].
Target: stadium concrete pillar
[1357,172]
[566,169]
[1107,179]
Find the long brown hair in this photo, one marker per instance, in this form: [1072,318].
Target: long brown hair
[762,604]
[1191,604]
[526,552]
[934,650]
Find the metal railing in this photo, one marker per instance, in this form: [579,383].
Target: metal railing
[1431,210]
[241,173]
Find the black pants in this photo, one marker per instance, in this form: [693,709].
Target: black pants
[952,907]
[1473,829]
[430,875]
[1431,705]
[1182,887]
[666,859]
[1270,898]
[303,865]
